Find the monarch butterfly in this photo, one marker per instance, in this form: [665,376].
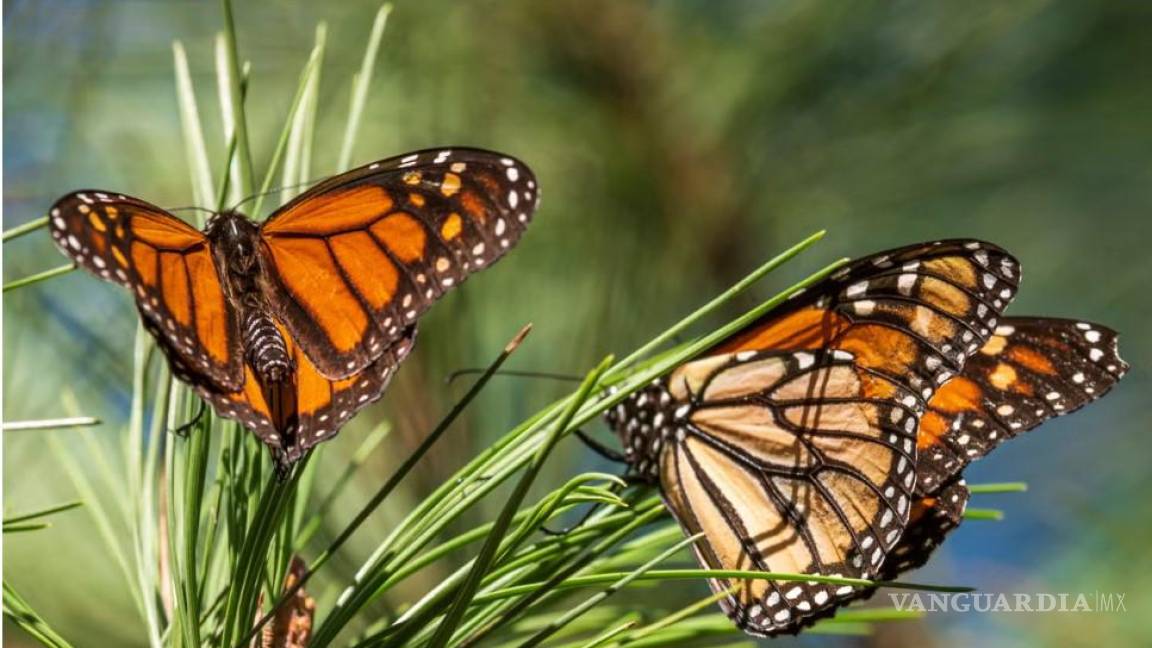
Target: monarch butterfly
[292,325]
[808,441]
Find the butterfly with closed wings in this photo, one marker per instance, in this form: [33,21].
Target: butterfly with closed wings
[292,325]
[828,436]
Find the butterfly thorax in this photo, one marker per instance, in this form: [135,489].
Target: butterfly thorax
[235,241]
[643,422]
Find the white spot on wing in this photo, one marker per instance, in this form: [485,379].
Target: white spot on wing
[905,283]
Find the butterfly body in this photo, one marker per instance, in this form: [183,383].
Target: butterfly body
[264,346]
[293,324]
[241,264]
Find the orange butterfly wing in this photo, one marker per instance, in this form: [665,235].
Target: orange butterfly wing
[169,267]
[357,259]
[312,408]
[913,314]
[785,465]
[1033,369]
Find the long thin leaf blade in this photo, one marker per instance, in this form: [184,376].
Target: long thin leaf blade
[360,87]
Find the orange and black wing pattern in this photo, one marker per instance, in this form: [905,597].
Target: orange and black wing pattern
[355,260]
[806,422]
[912,314]
[933,518]
[312,408]
[328,289]
[170,269]
[1032,369]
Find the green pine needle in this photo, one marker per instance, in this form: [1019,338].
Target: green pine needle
[39,276]
[36,515]
[25,228]
[994,515]
[51,424]
[1004,487]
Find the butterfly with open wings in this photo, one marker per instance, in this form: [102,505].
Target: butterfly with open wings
[828,437]
[292,325]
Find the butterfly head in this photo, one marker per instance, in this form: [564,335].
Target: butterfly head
[235,237]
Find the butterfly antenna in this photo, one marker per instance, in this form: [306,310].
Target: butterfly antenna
[518,374]
[600,448]
[192,208]
[305,183]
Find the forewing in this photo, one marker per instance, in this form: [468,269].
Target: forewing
[354,261]
[914,314]
[786,464]
[169,267]
[1033,369]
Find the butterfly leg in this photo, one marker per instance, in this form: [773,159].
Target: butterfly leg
[600,448]
[579,523]
[283,466]
[184,429]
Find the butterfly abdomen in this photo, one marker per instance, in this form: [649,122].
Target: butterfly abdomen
[266,351]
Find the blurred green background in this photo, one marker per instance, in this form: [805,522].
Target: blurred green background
[678,145]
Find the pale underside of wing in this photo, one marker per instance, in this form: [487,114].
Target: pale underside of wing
[787,465]
[933,517]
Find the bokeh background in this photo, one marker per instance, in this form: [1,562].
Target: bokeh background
[679,144]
